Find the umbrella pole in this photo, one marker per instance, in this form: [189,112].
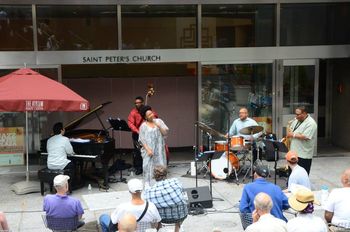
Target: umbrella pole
[27,147]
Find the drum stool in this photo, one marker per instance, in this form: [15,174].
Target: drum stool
[46,175]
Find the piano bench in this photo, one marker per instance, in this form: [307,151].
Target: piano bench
[46,175]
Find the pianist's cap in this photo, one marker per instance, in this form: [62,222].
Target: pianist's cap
[60,180]
[135,185]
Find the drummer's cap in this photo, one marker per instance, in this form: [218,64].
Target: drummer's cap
[292,157]
[262,170]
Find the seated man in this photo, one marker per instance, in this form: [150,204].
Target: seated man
[337,207]
[145,212]
[167,195]
[3,222]
[260,184]
[298,176]
[60,205]
[127,223]
[262,219]
[58,146]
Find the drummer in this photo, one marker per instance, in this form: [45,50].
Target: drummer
[242,122]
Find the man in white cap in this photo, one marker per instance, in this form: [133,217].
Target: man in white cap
[60,205]
[144,211]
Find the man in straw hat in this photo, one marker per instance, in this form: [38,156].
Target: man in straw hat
[303,202]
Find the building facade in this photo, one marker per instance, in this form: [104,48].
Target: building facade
[205,59]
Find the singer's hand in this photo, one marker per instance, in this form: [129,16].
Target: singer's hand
[226,136]
[150,153]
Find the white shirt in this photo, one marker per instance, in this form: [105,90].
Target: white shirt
[338,202]
[151,215]
[268,223]
[58,146]
[298,177]
[306,223]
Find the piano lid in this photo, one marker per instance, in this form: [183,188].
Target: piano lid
[73,124]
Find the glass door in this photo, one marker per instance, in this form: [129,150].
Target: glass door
[297,85]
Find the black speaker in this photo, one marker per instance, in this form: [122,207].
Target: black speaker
[199,197]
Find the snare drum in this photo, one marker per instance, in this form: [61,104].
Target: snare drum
[219,165]
[237,143]
[221,145]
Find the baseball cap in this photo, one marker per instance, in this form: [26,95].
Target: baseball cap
[292,156]
[262,170]
[60,180]
[301,199]
[135,185]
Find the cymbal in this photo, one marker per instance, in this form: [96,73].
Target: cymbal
[209,130]
[249,130]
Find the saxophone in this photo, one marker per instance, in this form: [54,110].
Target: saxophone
[286,140]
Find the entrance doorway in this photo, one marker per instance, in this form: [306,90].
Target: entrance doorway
[297,85]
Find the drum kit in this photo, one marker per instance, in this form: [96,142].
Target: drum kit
[239,150]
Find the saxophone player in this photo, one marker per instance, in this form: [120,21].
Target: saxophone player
[303,134]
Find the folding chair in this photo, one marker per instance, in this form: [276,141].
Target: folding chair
[143,226]
[61,224]
[246,219]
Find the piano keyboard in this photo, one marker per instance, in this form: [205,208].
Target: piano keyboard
[75,155]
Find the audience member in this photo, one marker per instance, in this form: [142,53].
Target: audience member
[60,205]
[260,184]
[145,212]
[263,221]
[167,195]
[3,222]
[303,202]
[127,223]
[337,207]
[298,176]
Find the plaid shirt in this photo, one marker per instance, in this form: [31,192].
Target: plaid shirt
[166,193]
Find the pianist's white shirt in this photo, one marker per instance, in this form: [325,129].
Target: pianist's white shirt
[58,147]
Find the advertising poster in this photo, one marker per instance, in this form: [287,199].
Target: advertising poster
[11,146]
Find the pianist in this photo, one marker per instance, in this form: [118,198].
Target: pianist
[58,147]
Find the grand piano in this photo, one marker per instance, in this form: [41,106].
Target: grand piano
[98,146]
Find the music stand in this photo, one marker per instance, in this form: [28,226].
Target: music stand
[275,146]
[119,125]
[208,156]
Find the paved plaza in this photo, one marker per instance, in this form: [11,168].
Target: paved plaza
[24,211]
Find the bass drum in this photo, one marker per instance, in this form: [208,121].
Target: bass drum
[219,165]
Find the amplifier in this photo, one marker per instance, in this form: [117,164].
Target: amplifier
[199,197]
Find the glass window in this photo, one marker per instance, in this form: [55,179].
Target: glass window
[16,28]
[226,88]
[77,27]
[315,24]
[156,26]
[238,25]
[298,88]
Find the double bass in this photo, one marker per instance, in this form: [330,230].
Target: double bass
[150,92]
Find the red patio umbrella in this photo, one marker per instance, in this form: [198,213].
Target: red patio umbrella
[25,90]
